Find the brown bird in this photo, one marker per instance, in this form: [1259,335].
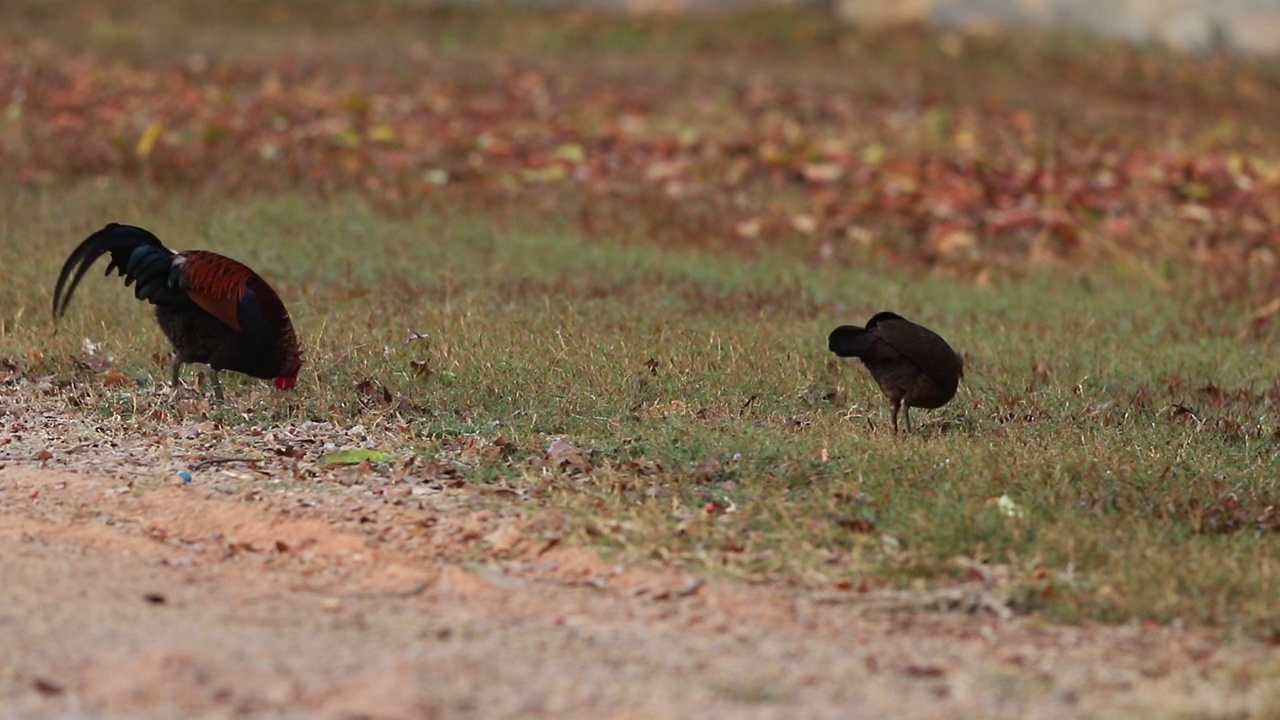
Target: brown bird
[214,310]
[913,365]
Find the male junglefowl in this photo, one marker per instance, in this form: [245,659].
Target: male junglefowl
[213,309]
[913,366]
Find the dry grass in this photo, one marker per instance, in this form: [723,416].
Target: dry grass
[706,424]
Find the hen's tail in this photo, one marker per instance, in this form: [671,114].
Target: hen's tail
[135,253]
[851,341]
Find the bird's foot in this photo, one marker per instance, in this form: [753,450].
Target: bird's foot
[212,376]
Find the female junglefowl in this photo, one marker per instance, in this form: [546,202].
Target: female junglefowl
[912,364]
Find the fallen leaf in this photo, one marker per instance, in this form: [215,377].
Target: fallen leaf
[749,228]
[147,143]
[115,378]
[567,457]
[821,172]
[355,456]
[373,393]
[420,367]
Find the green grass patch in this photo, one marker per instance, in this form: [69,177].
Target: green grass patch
[707,425]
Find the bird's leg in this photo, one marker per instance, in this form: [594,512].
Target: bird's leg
[212,372]
[175,366]
[906,413]
[897,403]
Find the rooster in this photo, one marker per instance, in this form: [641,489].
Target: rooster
[214,310]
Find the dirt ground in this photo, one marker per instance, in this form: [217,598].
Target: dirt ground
[126,592]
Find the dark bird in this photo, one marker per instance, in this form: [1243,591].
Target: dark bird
[214,310]
[913,365]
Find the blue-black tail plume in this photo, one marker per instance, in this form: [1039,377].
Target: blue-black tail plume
[135,253]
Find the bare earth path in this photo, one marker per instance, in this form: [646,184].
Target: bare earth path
[199,600]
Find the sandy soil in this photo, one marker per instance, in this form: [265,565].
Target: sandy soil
[127,593]
[275,586]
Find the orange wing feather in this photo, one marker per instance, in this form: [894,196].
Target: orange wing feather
[216,284]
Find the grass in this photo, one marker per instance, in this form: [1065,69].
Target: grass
[1126,408]
[1138,444]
